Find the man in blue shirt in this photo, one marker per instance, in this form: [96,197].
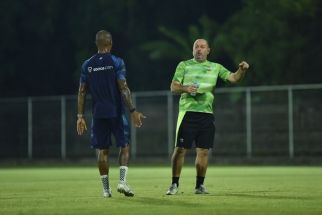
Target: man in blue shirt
[104,76]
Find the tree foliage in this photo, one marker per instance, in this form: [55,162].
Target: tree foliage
[281,39]
[177,45]
[43,43]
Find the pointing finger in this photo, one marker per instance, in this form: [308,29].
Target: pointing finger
[143,116]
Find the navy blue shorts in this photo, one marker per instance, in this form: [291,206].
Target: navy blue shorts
[103,129]
[197,128]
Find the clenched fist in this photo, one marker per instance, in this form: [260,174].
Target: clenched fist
[243,65]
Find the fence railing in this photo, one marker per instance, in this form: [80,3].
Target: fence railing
[250,122]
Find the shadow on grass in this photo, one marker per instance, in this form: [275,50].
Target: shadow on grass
[267,195]
[169,201]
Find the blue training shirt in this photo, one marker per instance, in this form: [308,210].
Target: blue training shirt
[100,74]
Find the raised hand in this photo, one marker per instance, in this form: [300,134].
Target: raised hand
[243,65]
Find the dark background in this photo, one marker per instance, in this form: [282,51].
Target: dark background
[43,43]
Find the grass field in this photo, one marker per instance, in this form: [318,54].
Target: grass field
[234,190]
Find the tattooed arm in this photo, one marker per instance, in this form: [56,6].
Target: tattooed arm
[81,123]
[126,94]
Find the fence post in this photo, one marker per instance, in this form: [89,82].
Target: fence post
[133,132]
[248,123]
[170,123]
[290,122]
[63,127]
[29,127]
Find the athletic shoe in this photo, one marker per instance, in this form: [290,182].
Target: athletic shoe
[107,193]
[173,189]
[125,189]
[201,190]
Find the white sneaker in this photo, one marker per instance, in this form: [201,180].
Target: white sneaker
[173,189]
[107,193]
[125,189]
[201,190]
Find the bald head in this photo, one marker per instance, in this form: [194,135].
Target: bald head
[103,40]
[200,50]
[201,41]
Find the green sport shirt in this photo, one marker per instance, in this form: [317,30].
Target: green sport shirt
[205,74]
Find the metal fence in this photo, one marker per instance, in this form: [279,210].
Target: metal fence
[267,121]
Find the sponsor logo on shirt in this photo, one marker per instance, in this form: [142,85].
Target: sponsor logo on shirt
[95,69]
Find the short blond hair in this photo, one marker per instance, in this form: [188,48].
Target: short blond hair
[103,39]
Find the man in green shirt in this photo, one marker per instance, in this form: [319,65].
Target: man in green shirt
[195,80]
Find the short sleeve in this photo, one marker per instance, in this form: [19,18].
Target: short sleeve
[120,69]
[223,73]
[84,73]
[179,73]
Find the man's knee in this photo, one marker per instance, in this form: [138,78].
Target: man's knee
[125,149]
[179,151]
[203,153]
[102,155]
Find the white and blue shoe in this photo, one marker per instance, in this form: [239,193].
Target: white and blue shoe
[201,190]
[125,189]
[107,193]
[173,189]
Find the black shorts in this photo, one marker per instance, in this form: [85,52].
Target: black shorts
[198,128]
[103,129]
